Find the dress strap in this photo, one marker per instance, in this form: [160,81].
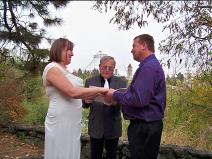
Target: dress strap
[48,67]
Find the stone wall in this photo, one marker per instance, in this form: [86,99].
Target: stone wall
[36,134]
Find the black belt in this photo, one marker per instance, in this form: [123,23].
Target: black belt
[143,121]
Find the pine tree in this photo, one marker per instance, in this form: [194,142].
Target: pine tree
[20,31]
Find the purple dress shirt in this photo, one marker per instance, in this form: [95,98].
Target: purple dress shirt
[145,98]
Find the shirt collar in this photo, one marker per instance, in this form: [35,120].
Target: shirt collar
[148,58]
[103,80]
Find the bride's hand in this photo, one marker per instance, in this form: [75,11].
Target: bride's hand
[103,91]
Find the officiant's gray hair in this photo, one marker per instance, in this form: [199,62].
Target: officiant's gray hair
[105,58]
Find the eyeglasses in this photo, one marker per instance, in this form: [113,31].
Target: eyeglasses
[107,68]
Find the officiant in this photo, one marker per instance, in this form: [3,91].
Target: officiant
[104,125]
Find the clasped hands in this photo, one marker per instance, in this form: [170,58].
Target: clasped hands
[107,96]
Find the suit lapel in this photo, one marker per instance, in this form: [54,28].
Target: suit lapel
[113,83]
[97,82]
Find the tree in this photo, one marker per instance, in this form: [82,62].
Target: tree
[20,28]
[86,74]
[79,73]
[94,72]
[180,76]
[189,24]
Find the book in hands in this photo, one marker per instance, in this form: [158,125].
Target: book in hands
[122,90]
[99,99]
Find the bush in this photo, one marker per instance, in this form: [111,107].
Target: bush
[37,110]
[33,88]
[188,115]
[11,95]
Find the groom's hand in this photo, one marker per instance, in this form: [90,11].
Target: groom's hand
[110,93]
[108,97]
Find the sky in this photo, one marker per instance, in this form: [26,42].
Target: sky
[91,32]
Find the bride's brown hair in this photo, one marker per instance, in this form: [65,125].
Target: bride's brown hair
[57,47]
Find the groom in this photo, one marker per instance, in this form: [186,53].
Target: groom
[144,102]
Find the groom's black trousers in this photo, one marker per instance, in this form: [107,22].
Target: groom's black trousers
[144,139]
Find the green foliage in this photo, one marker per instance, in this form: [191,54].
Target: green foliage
[22,96]
[187,122]
[85,113]
[11,86]
[21,135]
[33,88]
[188,117]
[36,101]
[37,110]
[125,124]
[180,76]
[173,80]
[94,72]
[188,22]
[86,73]
[79,73]
[21,31]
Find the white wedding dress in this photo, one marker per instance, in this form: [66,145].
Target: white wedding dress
[63,120]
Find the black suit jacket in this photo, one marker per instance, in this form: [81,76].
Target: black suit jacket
[104,121]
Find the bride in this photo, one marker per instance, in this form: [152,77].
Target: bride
[65,91]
